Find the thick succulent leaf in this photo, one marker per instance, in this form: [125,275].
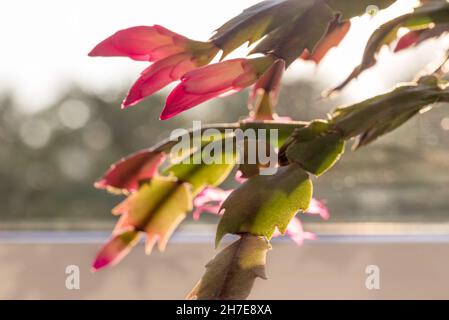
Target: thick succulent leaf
[199,174]
[264,203]
[231,274]
[284,128]
[383,113]
[128,173]
[433,12]
[349,9]
[257,21]
[290,40]
[315,148]
[158,208]
[318,146]
[375,132]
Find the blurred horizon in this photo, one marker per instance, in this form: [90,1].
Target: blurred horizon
[49,160]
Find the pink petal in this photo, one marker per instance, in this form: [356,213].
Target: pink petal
[239,174]
[318,208]
[214,77]
[115,249]
[202,84]
[128,172]
[141,43]
[179,101]
[209,200]
[296,232]
[157,76]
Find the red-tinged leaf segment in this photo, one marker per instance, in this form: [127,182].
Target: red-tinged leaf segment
[156,209]
[425,17]
[128,173]
[116,249]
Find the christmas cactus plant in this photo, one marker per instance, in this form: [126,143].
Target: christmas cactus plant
[181,175]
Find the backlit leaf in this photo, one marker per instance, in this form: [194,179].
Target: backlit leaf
[290,40]
[231,274]
[385,112]
[263,203]
[435,12]
[255,22]
[200,174]
[157,208]
[316,152]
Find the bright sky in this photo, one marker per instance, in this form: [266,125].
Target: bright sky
[45,43]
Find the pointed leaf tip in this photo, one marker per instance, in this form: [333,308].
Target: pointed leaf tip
[231,274]
[264,203]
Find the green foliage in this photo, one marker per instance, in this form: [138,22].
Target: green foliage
[257,21]
[199,174]
[316,147]
[231,274]
[384,113]
[290,40]
[263,203]
[158,208]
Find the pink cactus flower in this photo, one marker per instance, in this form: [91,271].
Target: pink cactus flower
[142,43]
[295,231]
[202,84]
[173,55]
[209,200]
[318,208]
[157,76]
[127,173]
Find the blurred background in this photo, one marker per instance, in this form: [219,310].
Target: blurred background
[61,125]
